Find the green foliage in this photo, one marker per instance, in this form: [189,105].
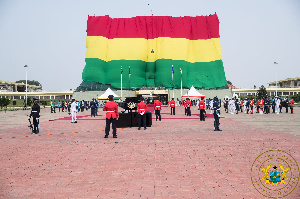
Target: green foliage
[262,92]
[31,82]
[229,82]
[296,97]
[29,101]
[43,102]
[20,102]
[4,102]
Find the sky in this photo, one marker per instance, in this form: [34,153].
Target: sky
[50,36]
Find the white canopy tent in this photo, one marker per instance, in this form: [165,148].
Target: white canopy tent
[108,92]
[192,93]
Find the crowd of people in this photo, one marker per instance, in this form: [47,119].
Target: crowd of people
[65,106]
[234,106]
[258,105]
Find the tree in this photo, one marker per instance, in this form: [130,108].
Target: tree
[262,92]
[29,101]
[229,82]
[31,82]
[43,102]
[4,102]
[254,87]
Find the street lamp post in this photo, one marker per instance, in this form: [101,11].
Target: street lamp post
[26,83]
[276,76]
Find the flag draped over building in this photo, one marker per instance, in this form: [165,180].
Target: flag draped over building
[151,44]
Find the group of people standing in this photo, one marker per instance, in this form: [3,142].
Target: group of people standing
[258,105]
[112,113]
[64,106]
[234,105]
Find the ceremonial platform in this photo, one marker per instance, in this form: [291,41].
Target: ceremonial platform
[178,157]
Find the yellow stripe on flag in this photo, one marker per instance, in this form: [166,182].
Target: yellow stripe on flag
[153,49]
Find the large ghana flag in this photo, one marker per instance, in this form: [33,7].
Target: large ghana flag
[150,45]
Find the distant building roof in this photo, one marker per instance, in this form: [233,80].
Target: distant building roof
[285,80]
[18,84]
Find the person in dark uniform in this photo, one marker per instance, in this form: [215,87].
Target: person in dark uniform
[97,106]
[112,115]
[285,104]
[172,105]
[93,108]
[247,105]
[267,105]
[82,105]
[142,108]
[217,113]
[35,113]
[273,104]
[237,106]
[157,108]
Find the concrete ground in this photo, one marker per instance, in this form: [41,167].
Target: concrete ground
[179,157]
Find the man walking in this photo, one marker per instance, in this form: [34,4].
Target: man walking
[52,107]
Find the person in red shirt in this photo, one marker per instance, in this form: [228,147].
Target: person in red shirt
[291,105]
[172,105]
[251,105]
[142,108]
[257,105]
[157,108]
[202,109]
[112,114]
[188,107]
[241,105]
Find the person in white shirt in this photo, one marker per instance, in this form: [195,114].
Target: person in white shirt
[73,111]
[277,104]
[244,105]
[211,106]
[232,106]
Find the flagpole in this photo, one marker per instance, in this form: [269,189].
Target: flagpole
[129,82]
[121,82]
[276,76]
[181,83]
[172,81]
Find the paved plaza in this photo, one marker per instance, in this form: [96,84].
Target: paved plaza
[179,157]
